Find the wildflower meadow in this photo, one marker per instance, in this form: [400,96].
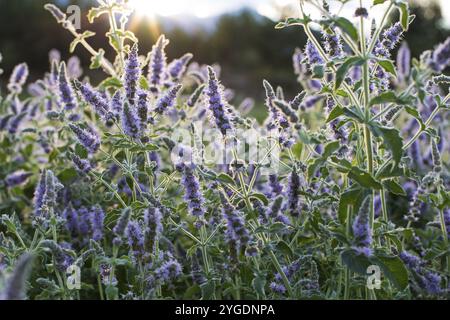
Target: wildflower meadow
[154,183]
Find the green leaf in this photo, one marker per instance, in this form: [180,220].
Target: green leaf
[389,97]
[388,66]
[285,248]
[260,197]
[391,140]
[364,178]
[329,149]
[94,13]
[393,268]
[79,39]
[143,83]
[111,82]
[415,113]
[97,59]
[292,22]
[225,178]
[350,197]
[259,283]
[335,113]
[376,2]
[403,7]
[342,71]
[208,289]
[347,27]
[111,292]
[355,262]
[394,187]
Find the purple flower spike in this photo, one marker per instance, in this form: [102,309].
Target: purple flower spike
[83,166]
[95,99]
[193,195]
[18,78]
[15,122]
[142,108]
[153,227]
[87,138]
[177,68]
[130,122]
[167,100]
[293,194]
[217,104]
[404,62]
[132,74]
[39,194]
[17,178]
[313,54]
[135,239]
[333,44]
[97,218]
[440,58]
[66,95]
[117,103]
[361,228]
[158,61]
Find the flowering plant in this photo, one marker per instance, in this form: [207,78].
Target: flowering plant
[153,184]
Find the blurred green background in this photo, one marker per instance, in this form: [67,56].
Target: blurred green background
[244,42]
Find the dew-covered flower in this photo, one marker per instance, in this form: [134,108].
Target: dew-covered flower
[192,193]
[66,95]
[17,178]
[168,99]
[132,74]
[18,78]
[362,232]
[157,66]
[131,123]
[217,104]
[87,138]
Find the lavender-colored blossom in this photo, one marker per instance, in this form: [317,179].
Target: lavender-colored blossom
[71,223]
[117,103]
[66,94]
[440,57]
[15,122]
[404,62]
[74,70]
[142,108]
[313,55]
[196,95]
[83,166]
[285,108]
[275,187]
[18,78]
[427,280]
[15,287]
[217,105]
[95,100]
[293,194]
[333,44]
[131,123]
[236,231]
[135,239]
[178,67]
[17,178]
[158,62]
[192,193]
[97,219]
[300,67]
[61,258]
[132,74]
[361,229]
[153,227]
[169,270]
[446,214]
[39,194]
[167,100]
[391,37]
[87,138]
[311,101]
